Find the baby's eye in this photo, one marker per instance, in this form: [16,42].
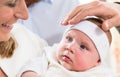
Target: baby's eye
[83,47]
[69,39]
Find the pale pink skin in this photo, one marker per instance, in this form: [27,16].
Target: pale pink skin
[9,15]
[77,52]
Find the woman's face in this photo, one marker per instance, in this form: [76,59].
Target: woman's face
[77,52]
[10,12]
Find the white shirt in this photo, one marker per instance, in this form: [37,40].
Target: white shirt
[44,18]
[29,46]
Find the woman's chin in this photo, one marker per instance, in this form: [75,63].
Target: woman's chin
[4,39]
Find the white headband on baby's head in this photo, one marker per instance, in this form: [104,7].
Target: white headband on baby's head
[96,34]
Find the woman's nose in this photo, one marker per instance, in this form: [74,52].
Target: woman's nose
[21,10]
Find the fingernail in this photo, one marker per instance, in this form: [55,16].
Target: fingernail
[106,26]
[64,22]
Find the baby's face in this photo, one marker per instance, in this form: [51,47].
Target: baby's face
[77,52]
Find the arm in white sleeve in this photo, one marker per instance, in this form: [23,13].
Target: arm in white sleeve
[38,65]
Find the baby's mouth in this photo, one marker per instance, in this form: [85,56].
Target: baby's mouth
[66,59]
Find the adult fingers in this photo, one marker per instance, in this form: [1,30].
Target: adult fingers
[90,11]
[71,15]
[74,13]
[109,23]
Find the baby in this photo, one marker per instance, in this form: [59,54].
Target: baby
[82,52]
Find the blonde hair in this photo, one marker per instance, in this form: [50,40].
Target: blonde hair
[7,48]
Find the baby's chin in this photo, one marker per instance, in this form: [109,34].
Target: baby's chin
[65,65]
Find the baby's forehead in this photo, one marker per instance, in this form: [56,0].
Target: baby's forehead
[78,36]
[74,31]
